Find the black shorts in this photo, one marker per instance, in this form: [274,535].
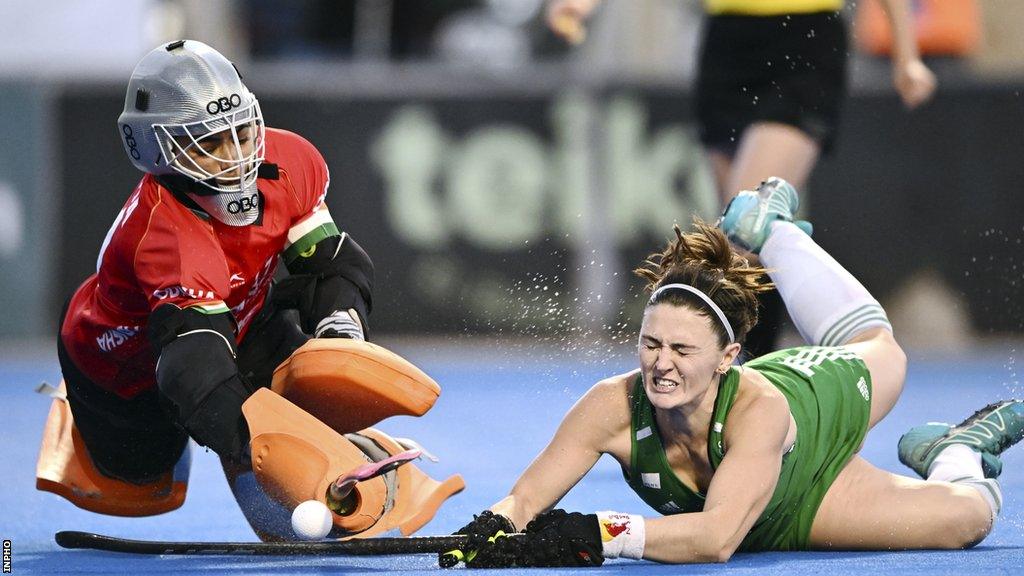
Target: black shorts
[135,439]
[789,69]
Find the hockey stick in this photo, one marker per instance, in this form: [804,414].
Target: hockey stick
[355,547]
[342,487]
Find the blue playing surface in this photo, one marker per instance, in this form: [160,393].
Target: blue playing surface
[498,409]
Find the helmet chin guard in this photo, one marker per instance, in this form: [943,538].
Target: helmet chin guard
[187,112]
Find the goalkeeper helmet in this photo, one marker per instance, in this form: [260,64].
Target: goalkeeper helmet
[187,112]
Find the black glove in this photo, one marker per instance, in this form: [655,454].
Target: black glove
[556,538]
[483,526]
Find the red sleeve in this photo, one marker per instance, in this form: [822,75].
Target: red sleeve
[306,172]
[178,261]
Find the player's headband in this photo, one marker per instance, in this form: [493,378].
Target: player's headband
[707,300]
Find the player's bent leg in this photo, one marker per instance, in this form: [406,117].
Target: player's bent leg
[887,363]
[867,508]
[982,437]
[827,304]
[273,337]
[295,458]
[110,455]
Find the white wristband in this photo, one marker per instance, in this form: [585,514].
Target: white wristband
[622,534]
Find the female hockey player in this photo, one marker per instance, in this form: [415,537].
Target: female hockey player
[181,327]
[758,457]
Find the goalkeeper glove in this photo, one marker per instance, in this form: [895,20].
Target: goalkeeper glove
[483,527]
[558,538]
[340,324]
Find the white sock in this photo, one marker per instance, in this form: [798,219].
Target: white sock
[954,462]
[828,305]
[959,464]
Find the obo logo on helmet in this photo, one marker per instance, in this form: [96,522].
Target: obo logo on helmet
[223,104]
[129,141]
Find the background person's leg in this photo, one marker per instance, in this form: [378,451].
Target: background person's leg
[765,149]
[771,149]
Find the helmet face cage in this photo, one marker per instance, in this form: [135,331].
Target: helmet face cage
[181,146]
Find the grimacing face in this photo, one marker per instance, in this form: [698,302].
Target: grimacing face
[679,355]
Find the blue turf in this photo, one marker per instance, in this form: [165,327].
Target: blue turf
[492,419]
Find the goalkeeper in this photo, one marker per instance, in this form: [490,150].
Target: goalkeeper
[181,329]
[758,457]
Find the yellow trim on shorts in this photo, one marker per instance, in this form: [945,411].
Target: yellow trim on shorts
[770,7]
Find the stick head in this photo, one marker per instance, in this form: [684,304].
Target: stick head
[343,486]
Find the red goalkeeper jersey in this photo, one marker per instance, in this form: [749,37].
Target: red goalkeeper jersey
[158,251]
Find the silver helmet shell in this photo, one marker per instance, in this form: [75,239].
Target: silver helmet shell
[179,95]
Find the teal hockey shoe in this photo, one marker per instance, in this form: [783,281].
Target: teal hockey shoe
[747,219]
[990,431]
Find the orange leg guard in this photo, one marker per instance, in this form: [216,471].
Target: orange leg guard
[351,384]
[295,457]
[65,468]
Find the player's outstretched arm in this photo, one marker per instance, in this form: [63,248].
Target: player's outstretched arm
[584,434]
[739,491]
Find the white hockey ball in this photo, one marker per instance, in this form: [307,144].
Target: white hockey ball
[312,520]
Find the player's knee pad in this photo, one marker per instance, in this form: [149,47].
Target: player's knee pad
[198,379]
[65,468]
[350,384]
